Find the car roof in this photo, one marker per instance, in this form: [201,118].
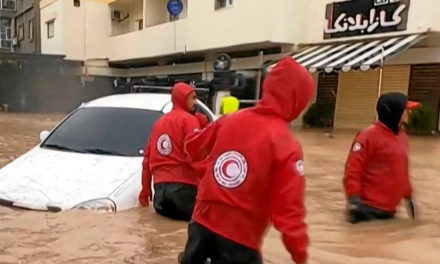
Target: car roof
[146,101]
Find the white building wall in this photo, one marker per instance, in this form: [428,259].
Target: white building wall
[248,24]
[80,32]
[52,10]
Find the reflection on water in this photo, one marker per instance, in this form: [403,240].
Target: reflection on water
[140,236]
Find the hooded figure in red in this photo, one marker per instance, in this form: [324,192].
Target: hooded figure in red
[253,176]
[175,181]
[376,174]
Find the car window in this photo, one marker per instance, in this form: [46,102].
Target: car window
[205,112]
[113,131]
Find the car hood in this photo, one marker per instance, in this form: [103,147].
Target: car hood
[44,177]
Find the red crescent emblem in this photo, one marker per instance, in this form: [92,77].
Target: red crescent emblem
[226,166]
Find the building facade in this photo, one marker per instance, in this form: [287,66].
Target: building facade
[20,26]
[7,11]
[26,27]
[380,46]
[356,49]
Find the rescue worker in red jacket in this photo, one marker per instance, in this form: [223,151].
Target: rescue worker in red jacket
[175,181]
[376,174]
[253,176]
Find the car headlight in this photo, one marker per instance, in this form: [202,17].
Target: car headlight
[99,205]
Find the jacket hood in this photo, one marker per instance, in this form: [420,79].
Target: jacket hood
[287,90]
[390,108]
[179,94]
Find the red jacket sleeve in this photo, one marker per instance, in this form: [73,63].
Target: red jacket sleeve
[355,166]
[191,125]
[202,119]
[287,205]
[146,194]
[199,145]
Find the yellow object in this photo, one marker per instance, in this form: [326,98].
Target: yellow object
[230,104]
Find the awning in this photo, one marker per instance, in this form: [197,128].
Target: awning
[363,55]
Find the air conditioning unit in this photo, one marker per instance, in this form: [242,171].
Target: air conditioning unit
[116,15]
[224,4]
[5,44]
[9,5]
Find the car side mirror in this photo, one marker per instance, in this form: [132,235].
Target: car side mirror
[43,135]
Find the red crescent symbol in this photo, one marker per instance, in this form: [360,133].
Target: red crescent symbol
[225,166]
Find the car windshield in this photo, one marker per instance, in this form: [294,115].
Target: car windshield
[105,131]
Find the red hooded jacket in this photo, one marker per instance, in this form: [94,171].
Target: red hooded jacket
[164,155]
[377,168]
[254,169]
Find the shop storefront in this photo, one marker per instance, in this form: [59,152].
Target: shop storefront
[356,59]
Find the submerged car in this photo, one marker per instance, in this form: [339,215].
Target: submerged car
[91,160]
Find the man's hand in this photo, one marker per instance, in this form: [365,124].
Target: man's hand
[356,209]
[410,208]
[145,198]
[355,203]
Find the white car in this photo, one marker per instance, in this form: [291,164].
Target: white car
[91,160]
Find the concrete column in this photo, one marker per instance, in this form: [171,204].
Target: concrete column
[144,15]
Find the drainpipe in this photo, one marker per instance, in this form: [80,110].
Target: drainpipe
[85,44]
[379,92]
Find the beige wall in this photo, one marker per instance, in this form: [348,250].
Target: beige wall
[204,28]
[157,41]
[201,27]
[156,12]
[86,32]
[75,28]
[136,13]
[133,8]
[98,32]
[53,10]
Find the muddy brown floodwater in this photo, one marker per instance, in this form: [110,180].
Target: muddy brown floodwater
[140,236]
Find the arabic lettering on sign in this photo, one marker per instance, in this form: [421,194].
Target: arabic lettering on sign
[376,19]
[365,17]
[384,2]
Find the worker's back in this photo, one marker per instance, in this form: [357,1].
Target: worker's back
[254,167]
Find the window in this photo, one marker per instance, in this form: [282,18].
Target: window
[31,30]
[51,29]
[9,5]
[20,32]
[76,3]
[108,129]
[219,4]
[5,32]
[139,24]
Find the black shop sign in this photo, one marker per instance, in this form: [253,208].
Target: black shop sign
[364,17]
